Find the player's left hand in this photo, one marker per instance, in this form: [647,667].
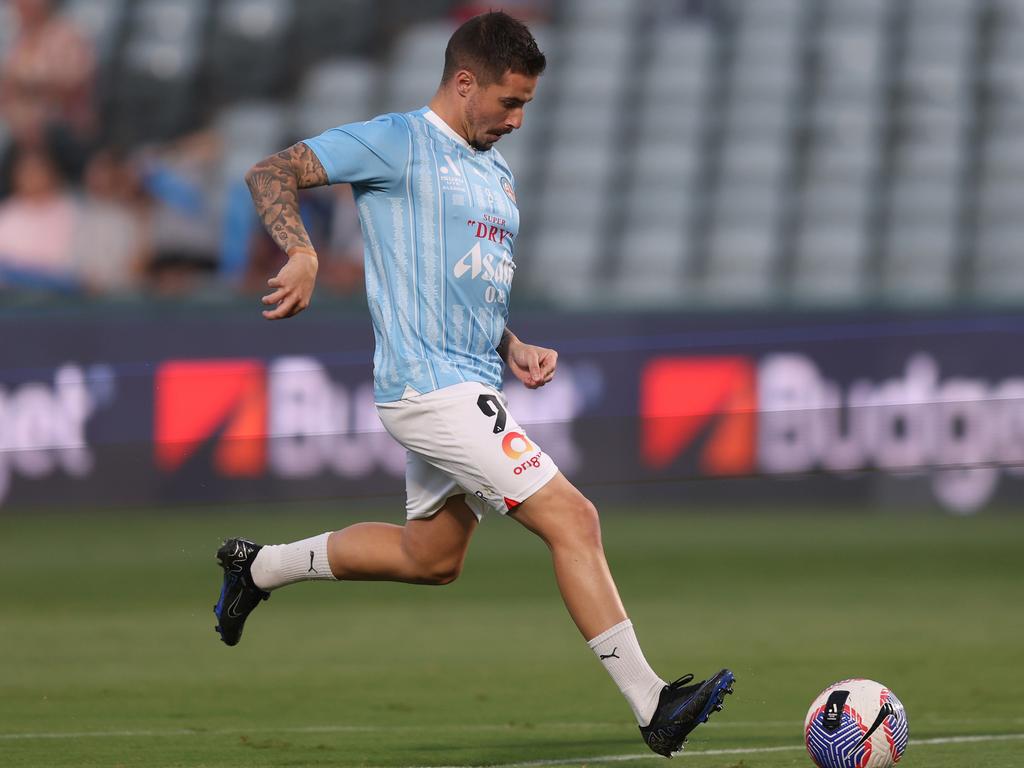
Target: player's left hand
[532,365]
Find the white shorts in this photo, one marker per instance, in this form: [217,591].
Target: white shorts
[462,439]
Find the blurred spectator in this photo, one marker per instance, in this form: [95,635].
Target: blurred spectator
[37,223]
[47,77]
[111,237]
[182,180]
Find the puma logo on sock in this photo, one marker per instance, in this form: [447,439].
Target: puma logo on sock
[311,568]
[611,655]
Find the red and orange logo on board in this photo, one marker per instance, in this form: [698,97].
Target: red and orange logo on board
[219,401]
[713,399]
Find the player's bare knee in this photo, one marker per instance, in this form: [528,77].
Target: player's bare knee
[578,527]
[441,573]
[437,570]
[588,524]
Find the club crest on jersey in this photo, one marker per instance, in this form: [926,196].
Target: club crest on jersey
[507,186]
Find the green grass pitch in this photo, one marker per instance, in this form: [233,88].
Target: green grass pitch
[108,655]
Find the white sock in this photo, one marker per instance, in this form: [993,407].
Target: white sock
[620,653]
[279,564]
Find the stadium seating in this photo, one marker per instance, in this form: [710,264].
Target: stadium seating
[155,92]
[245,33]
[998,266]
[592,57]
[842,155]
[415,66]
[101,21]
[678,151]
[327,29]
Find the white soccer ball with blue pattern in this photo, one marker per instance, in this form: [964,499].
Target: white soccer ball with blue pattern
[856,724]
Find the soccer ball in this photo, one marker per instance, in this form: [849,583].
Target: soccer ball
[856,724]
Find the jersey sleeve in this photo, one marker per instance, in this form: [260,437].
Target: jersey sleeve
[372,154]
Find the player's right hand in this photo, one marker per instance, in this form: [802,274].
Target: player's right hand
[293,285]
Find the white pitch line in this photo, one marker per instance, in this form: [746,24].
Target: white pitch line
[615,758]
[483,727]
[970,739]
[719,752]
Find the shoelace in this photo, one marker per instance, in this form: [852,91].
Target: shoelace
[680,682]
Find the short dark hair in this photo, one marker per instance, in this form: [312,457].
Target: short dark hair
[491,44]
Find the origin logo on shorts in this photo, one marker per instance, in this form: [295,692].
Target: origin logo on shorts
[515,445]
[533,461]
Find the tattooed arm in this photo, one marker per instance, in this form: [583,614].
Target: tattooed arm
[274,184]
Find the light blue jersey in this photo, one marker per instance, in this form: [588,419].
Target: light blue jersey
[439,223]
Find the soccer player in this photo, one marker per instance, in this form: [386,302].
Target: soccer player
[437,206]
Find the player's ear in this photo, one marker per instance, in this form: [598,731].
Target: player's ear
[464,82]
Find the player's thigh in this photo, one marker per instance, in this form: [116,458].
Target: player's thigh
[442,538]
[559,512]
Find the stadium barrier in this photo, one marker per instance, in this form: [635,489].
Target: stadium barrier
[101,408]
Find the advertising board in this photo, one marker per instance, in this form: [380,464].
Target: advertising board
[97,409]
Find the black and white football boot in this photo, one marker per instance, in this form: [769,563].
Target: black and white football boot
[683,707]
[238,595]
